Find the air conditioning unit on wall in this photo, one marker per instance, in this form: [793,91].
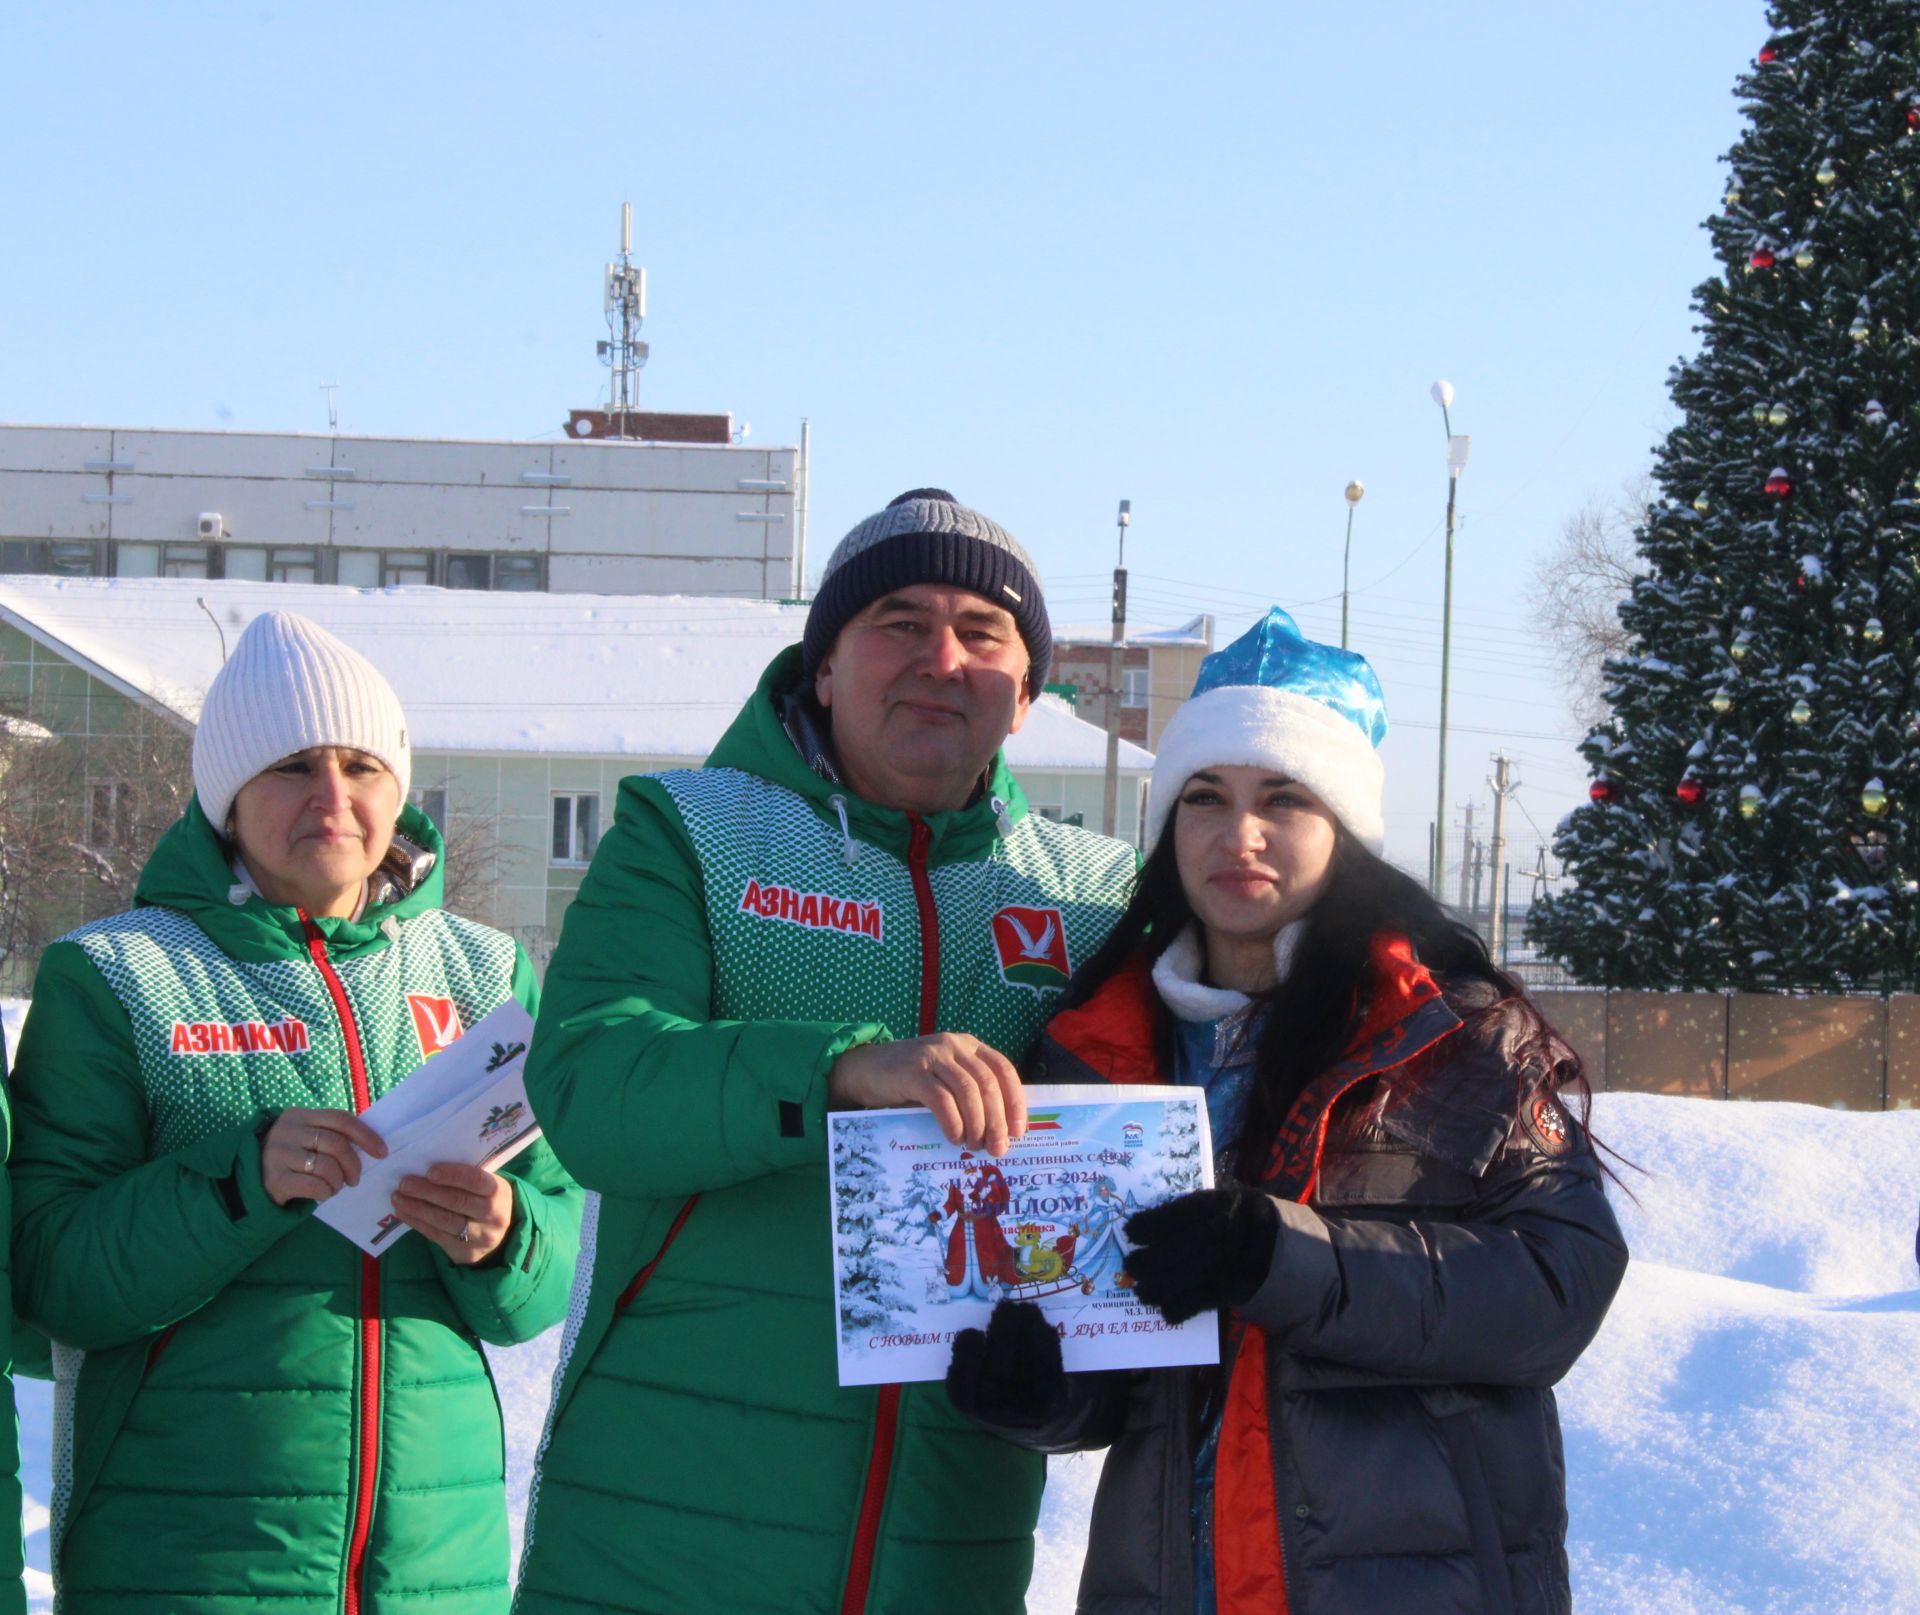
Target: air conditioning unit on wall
[211,524]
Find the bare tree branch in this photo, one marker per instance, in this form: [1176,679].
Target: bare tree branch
[79,816]
[1577,587]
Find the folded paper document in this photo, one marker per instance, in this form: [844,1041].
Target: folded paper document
[467,1103]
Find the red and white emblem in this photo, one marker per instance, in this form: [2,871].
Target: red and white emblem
[435,1021]
[1032,945]
[1546,1125]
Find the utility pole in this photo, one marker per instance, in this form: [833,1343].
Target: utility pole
[1110,808]
[1356,491]
[1503,787]
[1466,856]
[1540,876]
[1457,450]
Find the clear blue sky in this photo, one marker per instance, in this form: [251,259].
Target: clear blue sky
[1208,258]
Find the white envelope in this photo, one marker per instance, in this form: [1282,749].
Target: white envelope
[468,1103]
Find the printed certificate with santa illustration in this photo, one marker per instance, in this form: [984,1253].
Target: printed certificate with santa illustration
[928,1236]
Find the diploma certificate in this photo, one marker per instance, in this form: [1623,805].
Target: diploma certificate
[927,1236]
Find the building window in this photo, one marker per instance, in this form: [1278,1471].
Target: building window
[456,569]
[293,566]
[136,560]
[1060,815]
[183,561]
[398,567]
[517,574]
[111,822]
[1135,685]
[73,560]
[576,826]
[469,572]
[245,565]
[60,558]
[433,803]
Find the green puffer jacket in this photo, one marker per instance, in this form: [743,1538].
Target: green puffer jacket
[732,939]
[252,1417]
[13,1595]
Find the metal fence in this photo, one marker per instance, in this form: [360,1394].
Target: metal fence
[1842,1052]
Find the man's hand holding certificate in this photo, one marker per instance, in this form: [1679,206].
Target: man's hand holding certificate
[928,1237]
[466,1104]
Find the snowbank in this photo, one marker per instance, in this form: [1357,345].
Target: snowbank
[1742,1439]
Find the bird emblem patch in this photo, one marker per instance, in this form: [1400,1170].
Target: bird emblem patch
[1032,945]
[435,1022]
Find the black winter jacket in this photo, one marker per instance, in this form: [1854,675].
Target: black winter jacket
[1391,1443]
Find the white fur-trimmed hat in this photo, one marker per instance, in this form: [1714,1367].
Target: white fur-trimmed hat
[1274,699]
[288,686]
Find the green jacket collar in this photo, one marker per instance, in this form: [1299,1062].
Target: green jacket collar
[757,742]
[189,873]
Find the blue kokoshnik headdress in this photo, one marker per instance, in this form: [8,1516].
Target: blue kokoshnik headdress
[1275,699]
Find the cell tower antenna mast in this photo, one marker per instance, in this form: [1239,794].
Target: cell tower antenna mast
[626,301]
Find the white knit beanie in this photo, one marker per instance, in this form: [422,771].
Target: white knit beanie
[288,686]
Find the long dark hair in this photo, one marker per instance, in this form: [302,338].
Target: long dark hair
[1311,1015]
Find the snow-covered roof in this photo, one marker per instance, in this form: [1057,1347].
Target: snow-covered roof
[562,674]
[1196,631]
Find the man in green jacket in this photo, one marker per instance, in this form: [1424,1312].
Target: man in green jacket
[850,905]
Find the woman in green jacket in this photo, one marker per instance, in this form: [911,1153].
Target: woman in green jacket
[252,1415]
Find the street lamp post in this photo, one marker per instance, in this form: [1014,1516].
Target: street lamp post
[1457,449]
[1110,808]
[1356,491]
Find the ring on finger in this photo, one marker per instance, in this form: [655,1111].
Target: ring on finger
[466,1232]
[313,1144]
[306,1166]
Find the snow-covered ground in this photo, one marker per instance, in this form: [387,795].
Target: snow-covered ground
[1742,1439]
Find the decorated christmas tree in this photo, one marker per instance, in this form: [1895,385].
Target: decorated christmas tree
[1756,792]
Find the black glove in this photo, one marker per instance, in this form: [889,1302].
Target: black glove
[1010,1374]
[1211,1248]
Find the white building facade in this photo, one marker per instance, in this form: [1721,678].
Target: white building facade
[566,516]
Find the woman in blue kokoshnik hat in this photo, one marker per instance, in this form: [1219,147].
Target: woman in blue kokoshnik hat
[1409,1243]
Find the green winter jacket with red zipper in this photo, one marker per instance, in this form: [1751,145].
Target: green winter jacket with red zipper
[742,926]
[253,1418]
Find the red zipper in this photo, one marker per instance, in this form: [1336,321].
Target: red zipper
[886,1419]
[163,1340]
[626,1296]
[918,841]
[367,1432]
[886,1425]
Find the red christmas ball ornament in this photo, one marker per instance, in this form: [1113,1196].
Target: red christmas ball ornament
[1690,791]
[1779,485]
[1601,791]
[1913,117]
[1768,53]
[1761,259]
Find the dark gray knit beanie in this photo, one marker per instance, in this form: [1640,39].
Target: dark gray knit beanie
[928,536]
